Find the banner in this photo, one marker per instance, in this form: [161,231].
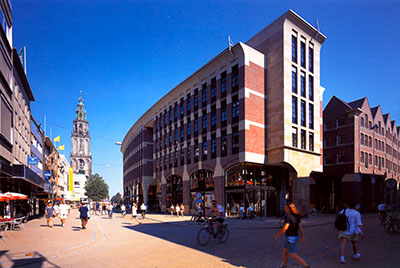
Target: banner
[61,147]
[56,139]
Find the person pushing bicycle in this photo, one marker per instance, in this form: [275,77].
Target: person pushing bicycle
[217,215]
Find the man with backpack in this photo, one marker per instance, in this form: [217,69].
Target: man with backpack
[349,224]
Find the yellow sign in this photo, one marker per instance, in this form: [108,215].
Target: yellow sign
[57,139]
[61,148]
[71,180]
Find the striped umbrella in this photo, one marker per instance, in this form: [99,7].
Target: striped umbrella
[15,196]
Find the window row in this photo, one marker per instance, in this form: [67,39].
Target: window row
[201,152]
[173,114]
[303,50]
[303,87]
[303,139]
[303,113]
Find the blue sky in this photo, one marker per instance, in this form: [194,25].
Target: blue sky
[125,55]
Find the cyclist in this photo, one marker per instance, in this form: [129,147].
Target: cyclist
[217,213]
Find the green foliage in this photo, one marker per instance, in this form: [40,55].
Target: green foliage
[117,199]
[96,188]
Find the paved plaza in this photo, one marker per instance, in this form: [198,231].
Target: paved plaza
[165,241]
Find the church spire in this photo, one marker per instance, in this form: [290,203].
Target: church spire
[80,110]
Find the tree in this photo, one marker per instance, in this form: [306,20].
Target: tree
[117,198]
[96,188]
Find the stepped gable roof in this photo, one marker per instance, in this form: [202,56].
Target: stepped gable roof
[357,103]
[374,110]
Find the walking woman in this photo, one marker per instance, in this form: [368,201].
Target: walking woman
[134,213]
[292,228]
[172,209]
[49,213]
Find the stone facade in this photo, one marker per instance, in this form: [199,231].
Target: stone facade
[227,130]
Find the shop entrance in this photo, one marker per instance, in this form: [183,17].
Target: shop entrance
[256,186]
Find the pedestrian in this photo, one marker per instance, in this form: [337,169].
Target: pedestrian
[103,209]
[143,209]
[110,212]
[49,213]
[241,211]
[177,209]
[64,212]
[56,210]
[97,208]
[182,209]
[292,228]
[382,211]
[228,209]
[353,233]
[134,213]
[123,210]
[250,212]
[172,209]
[83,215]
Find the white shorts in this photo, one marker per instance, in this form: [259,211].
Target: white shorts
[63,216]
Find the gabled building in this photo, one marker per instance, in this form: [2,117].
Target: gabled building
[361,151]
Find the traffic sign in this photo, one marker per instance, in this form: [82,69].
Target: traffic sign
[198,201]
[198,195]
[47,174]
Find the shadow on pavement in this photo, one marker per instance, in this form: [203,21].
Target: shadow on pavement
[32,259]
[237,251]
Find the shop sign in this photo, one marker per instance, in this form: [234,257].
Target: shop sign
[47,174]
[33,160]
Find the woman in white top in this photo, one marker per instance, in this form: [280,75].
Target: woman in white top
[177,208]
[172,209]
[134,213]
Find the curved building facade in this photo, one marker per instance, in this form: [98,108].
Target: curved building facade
[243,129]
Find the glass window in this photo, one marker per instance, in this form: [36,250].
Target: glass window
[294,80]
[204,149]
[182,108]
[213,89]
[223,143]
[294,48]
[303,84]
[235,77]
[235,140]
[213,146]
[223,84]
[235,108]
[303,139]
[213,119]
[294,137]
[188,156]
[204,122]
[311,141]
[176,112]
[189,104]
[189,129]
[204,93]
[311,87]
[196,126]
[311,116]
[294,110]
[311,59]
[303,113]
[182,133]
[302,54]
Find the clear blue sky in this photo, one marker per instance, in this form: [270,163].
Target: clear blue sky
[125,55]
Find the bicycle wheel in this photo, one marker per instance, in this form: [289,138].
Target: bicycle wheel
[389,227]
[203,236]
[225,235]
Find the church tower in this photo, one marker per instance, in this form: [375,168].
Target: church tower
[81,158]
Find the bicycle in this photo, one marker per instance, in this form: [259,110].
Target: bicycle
[392,224]
[198,218]
[205,233]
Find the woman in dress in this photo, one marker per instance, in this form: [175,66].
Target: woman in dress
[292,228]
[134,213]
[49,213]
[177,208]
[172,209]
[182,209]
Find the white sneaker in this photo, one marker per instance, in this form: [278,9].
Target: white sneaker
[342,260]
[357,256]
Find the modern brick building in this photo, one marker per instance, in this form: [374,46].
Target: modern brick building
[361,151]
[244,128]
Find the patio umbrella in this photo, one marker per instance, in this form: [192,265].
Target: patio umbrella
[16,196]
[3,197]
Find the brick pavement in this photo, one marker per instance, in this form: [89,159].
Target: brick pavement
[164,241]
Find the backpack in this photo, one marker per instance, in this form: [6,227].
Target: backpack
[342,222]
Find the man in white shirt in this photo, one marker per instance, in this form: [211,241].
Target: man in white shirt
[353,232]
[217,213]
[123,210]
[64,211]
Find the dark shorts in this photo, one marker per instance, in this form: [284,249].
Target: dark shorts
[219,220]
[290,243]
